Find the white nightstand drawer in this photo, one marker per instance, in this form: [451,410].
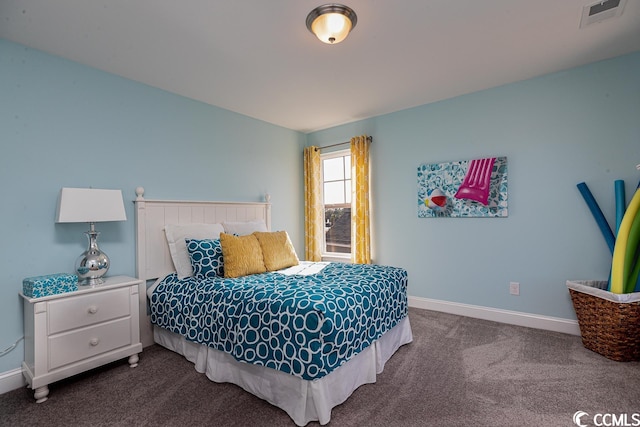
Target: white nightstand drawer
[72,346]
[83,310]
[69,333]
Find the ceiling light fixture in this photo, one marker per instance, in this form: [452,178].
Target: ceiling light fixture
[331,23]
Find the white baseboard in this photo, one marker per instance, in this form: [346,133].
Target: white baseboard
[11,380]
[548,323]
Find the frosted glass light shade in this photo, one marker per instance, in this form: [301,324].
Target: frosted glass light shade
[90,205]
[331,23]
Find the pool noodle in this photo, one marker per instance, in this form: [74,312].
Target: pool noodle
[618,274]
[597,215]
[620,202]
[621,205]
[637,269]
[632,270]
[635,278]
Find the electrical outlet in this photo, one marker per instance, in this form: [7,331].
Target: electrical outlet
[514,288]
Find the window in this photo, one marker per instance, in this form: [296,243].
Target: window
[336,193]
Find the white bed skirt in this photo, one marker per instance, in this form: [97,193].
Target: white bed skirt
[303,400]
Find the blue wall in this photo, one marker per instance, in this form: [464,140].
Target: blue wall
[556,130]
[66,125]
[63,124]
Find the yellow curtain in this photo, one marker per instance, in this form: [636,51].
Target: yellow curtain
[313,226]
[360,205]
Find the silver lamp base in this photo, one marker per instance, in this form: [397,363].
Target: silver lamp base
[93,263]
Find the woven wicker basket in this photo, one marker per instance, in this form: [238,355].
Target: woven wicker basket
[609,323]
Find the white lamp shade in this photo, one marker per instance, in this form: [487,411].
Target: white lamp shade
[90,205]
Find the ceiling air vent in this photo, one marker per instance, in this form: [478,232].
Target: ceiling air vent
[599,11]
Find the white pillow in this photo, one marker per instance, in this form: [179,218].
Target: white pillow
[176,235]
[244,228]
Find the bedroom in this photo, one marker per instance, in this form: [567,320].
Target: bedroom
[579,124]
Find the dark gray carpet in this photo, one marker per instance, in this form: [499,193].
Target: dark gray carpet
[458,371]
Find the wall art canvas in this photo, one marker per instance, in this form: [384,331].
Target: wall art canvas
[468,188]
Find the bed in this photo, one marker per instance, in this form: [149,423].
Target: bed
[302,337]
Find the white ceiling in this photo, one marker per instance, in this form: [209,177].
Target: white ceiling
[257,58]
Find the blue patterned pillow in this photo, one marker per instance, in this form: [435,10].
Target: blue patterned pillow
[206,258]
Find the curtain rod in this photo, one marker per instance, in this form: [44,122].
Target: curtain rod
[369,138]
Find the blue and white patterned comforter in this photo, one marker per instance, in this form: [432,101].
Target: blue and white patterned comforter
[303,325]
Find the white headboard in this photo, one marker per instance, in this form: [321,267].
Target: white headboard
[153,260]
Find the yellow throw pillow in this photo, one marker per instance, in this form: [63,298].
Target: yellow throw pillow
[241,255]
[277,250]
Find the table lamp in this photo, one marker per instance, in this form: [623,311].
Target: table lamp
[90,205]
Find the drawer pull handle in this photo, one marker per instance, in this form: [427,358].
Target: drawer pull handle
[94,341]
[93,309]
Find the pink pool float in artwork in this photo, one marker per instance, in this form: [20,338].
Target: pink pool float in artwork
[477,181]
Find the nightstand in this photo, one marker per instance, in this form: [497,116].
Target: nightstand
[69,333]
